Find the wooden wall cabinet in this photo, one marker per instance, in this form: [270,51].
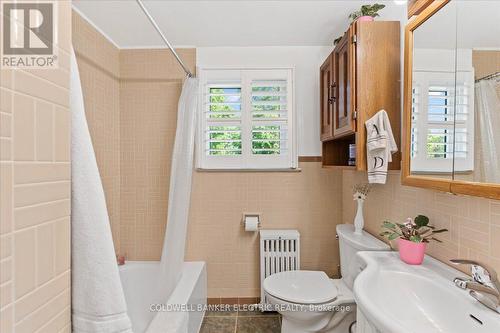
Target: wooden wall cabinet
[326,107]
[364,74]
[343,119]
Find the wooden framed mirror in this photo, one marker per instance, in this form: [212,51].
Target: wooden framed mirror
[451,123]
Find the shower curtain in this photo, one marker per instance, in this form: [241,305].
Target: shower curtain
[172,257]
[487,136]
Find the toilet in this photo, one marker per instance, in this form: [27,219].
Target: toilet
[309,301]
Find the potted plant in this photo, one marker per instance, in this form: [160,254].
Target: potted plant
[412,236]
[366,12]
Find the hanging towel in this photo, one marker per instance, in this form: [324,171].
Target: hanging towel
[98,302]
[380,146]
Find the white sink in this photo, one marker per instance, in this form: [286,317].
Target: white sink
[396,297]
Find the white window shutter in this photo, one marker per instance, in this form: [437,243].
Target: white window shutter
[442,113]
[247,122]
[223,118]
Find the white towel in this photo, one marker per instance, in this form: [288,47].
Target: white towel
[380,145]
[98,302]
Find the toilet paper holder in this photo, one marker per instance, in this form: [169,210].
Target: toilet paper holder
[250,217]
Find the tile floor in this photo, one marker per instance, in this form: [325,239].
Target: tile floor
[246,321]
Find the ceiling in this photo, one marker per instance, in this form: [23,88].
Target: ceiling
[227,23]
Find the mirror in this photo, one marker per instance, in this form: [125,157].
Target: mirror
[452,98]
[477,120]
[432,103]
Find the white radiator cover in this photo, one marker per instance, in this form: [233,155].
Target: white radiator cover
[279,252]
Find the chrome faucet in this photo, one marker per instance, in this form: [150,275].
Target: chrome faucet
[483,286]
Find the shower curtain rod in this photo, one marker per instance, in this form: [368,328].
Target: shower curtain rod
[152,20]
[490,76]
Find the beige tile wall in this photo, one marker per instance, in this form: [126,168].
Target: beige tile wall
[150,87]
[35,194]
[99,66]
[309,201]
[473,223]
[486,63]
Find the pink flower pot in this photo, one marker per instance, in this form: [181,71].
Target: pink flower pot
[365,19]
[410,252]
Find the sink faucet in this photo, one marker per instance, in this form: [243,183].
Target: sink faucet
[484,285]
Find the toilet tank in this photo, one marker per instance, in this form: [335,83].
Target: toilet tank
[351,243]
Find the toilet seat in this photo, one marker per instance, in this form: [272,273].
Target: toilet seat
[301,287]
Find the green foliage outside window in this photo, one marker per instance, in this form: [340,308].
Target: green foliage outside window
[436,146]
[225,103]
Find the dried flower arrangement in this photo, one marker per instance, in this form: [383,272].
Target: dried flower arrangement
[360,191]
[417,230]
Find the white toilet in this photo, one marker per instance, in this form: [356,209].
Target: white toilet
[309,301]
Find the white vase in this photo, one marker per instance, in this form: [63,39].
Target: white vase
[359,221]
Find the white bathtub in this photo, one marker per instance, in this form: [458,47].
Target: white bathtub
[139,279]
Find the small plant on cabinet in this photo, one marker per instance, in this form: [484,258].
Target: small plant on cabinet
[367,11]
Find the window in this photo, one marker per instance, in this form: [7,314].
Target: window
[440,119]
[443,113]
[246,119]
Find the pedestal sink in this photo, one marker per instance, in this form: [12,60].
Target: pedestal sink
[393,297]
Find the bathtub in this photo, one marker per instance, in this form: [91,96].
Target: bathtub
[182,312]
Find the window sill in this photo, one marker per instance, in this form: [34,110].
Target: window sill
[248,170]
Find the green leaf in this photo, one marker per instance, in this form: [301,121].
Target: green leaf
[376,7]
[371,10]
[394,236]
[355,15]
[421,221]
[389,225]
[416,239]
[425,231]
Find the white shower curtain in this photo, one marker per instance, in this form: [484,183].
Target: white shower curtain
[172,257]
[487,136]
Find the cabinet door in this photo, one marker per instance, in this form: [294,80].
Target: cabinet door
[343,68]
[326,76]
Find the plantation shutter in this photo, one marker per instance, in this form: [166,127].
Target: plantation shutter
[415,94]
[269,117]
[443,113]
[248,120]
[223,117]
[464,121]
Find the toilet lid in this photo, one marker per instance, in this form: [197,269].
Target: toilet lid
[303,287]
